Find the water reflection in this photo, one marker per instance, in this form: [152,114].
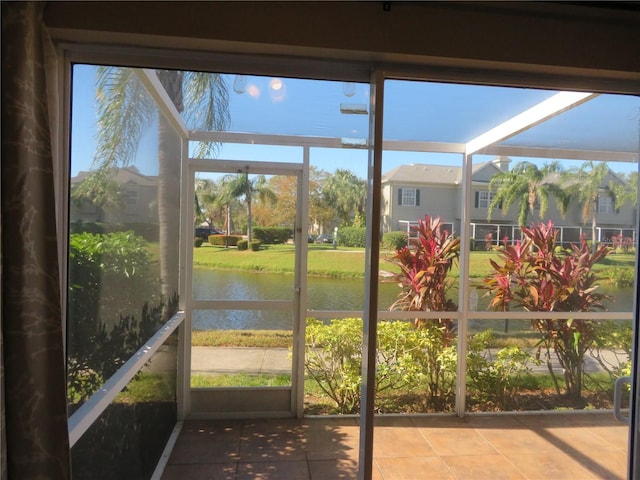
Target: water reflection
[322,294]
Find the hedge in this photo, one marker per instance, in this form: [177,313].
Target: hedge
[224,240]
[272,235]
[394,240]
[352,237]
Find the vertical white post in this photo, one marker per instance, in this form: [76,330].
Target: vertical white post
[183,383]
[372,255]
[300,294]
[463,295]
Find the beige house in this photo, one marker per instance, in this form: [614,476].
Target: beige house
[137,202]
[409,192]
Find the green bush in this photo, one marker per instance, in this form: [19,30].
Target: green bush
[272,235]
[333,359]
[255,245]
[114,306]
[352,237]
[224,240]
[243,244]
[621,276]
[197,242]
[394,240]
[496,379]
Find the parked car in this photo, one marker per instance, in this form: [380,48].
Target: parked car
[204,232]
[324,238]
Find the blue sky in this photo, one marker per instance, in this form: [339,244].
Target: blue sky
[420,111]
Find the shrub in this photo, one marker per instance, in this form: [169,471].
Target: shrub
[255,245]
[531,276]
[333,359]
[272,235]
[394,240]
[621,276]
[197,242]
[615,338]
[224,240]
[495,379]
[352,237]
[114,306]
[243,244]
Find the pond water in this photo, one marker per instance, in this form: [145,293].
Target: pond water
[322,294]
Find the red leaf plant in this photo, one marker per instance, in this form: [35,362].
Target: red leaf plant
[424,267]
[530,275]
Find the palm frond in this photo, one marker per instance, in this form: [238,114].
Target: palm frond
[207,106]
[125,109]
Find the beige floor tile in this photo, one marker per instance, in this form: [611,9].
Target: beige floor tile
[484,467]
[457,441]
[297,470]
[400,442]
[517,440]
[204,450]
[550,466]
[610,466]
[414,468]
[618,436]
[332,446]
[333,469]
[581,439]
[271,440]
[215,471]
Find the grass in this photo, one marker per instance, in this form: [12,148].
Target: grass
[240,380]
[149,387]
[324,261]
[242,338]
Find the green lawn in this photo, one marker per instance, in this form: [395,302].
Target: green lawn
[323,260]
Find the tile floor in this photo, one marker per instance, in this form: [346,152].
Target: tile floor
[580,446]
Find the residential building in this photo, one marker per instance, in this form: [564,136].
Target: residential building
[577,46]
[136,200]
[409,192]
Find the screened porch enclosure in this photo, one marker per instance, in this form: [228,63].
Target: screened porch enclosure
[433,151]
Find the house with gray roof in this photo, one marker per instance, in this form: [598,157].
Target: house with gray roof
[409,192]
[136,203]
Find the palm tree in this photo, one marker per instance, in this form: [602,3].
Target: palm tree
[241,185]
[528,187]
[346,193]
[587,184]
[125,110]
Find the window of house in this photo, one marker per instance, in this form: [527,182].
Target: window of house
[409,197]
[131,197]
[605,205]
[485,198]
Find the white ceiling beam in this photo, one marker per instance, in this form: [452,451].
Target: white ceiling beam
[151,82]
[561,153]
[550,107]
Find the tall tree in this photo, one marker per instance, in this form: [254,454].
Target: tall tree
[588,183]
[346,193]
[242,185]
[210,202]
[125,110]
[628,190]
[527,187]
[99,189]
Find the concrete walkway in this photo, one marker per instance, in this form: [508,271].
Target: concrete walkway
[216,360]
[211,360]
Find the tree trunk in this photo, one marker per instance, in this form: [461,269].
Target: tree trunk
[169,180]
[169,172]
[249,213]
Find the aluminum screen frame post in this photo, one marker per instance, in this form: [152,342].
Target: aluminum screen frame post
[372,255]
